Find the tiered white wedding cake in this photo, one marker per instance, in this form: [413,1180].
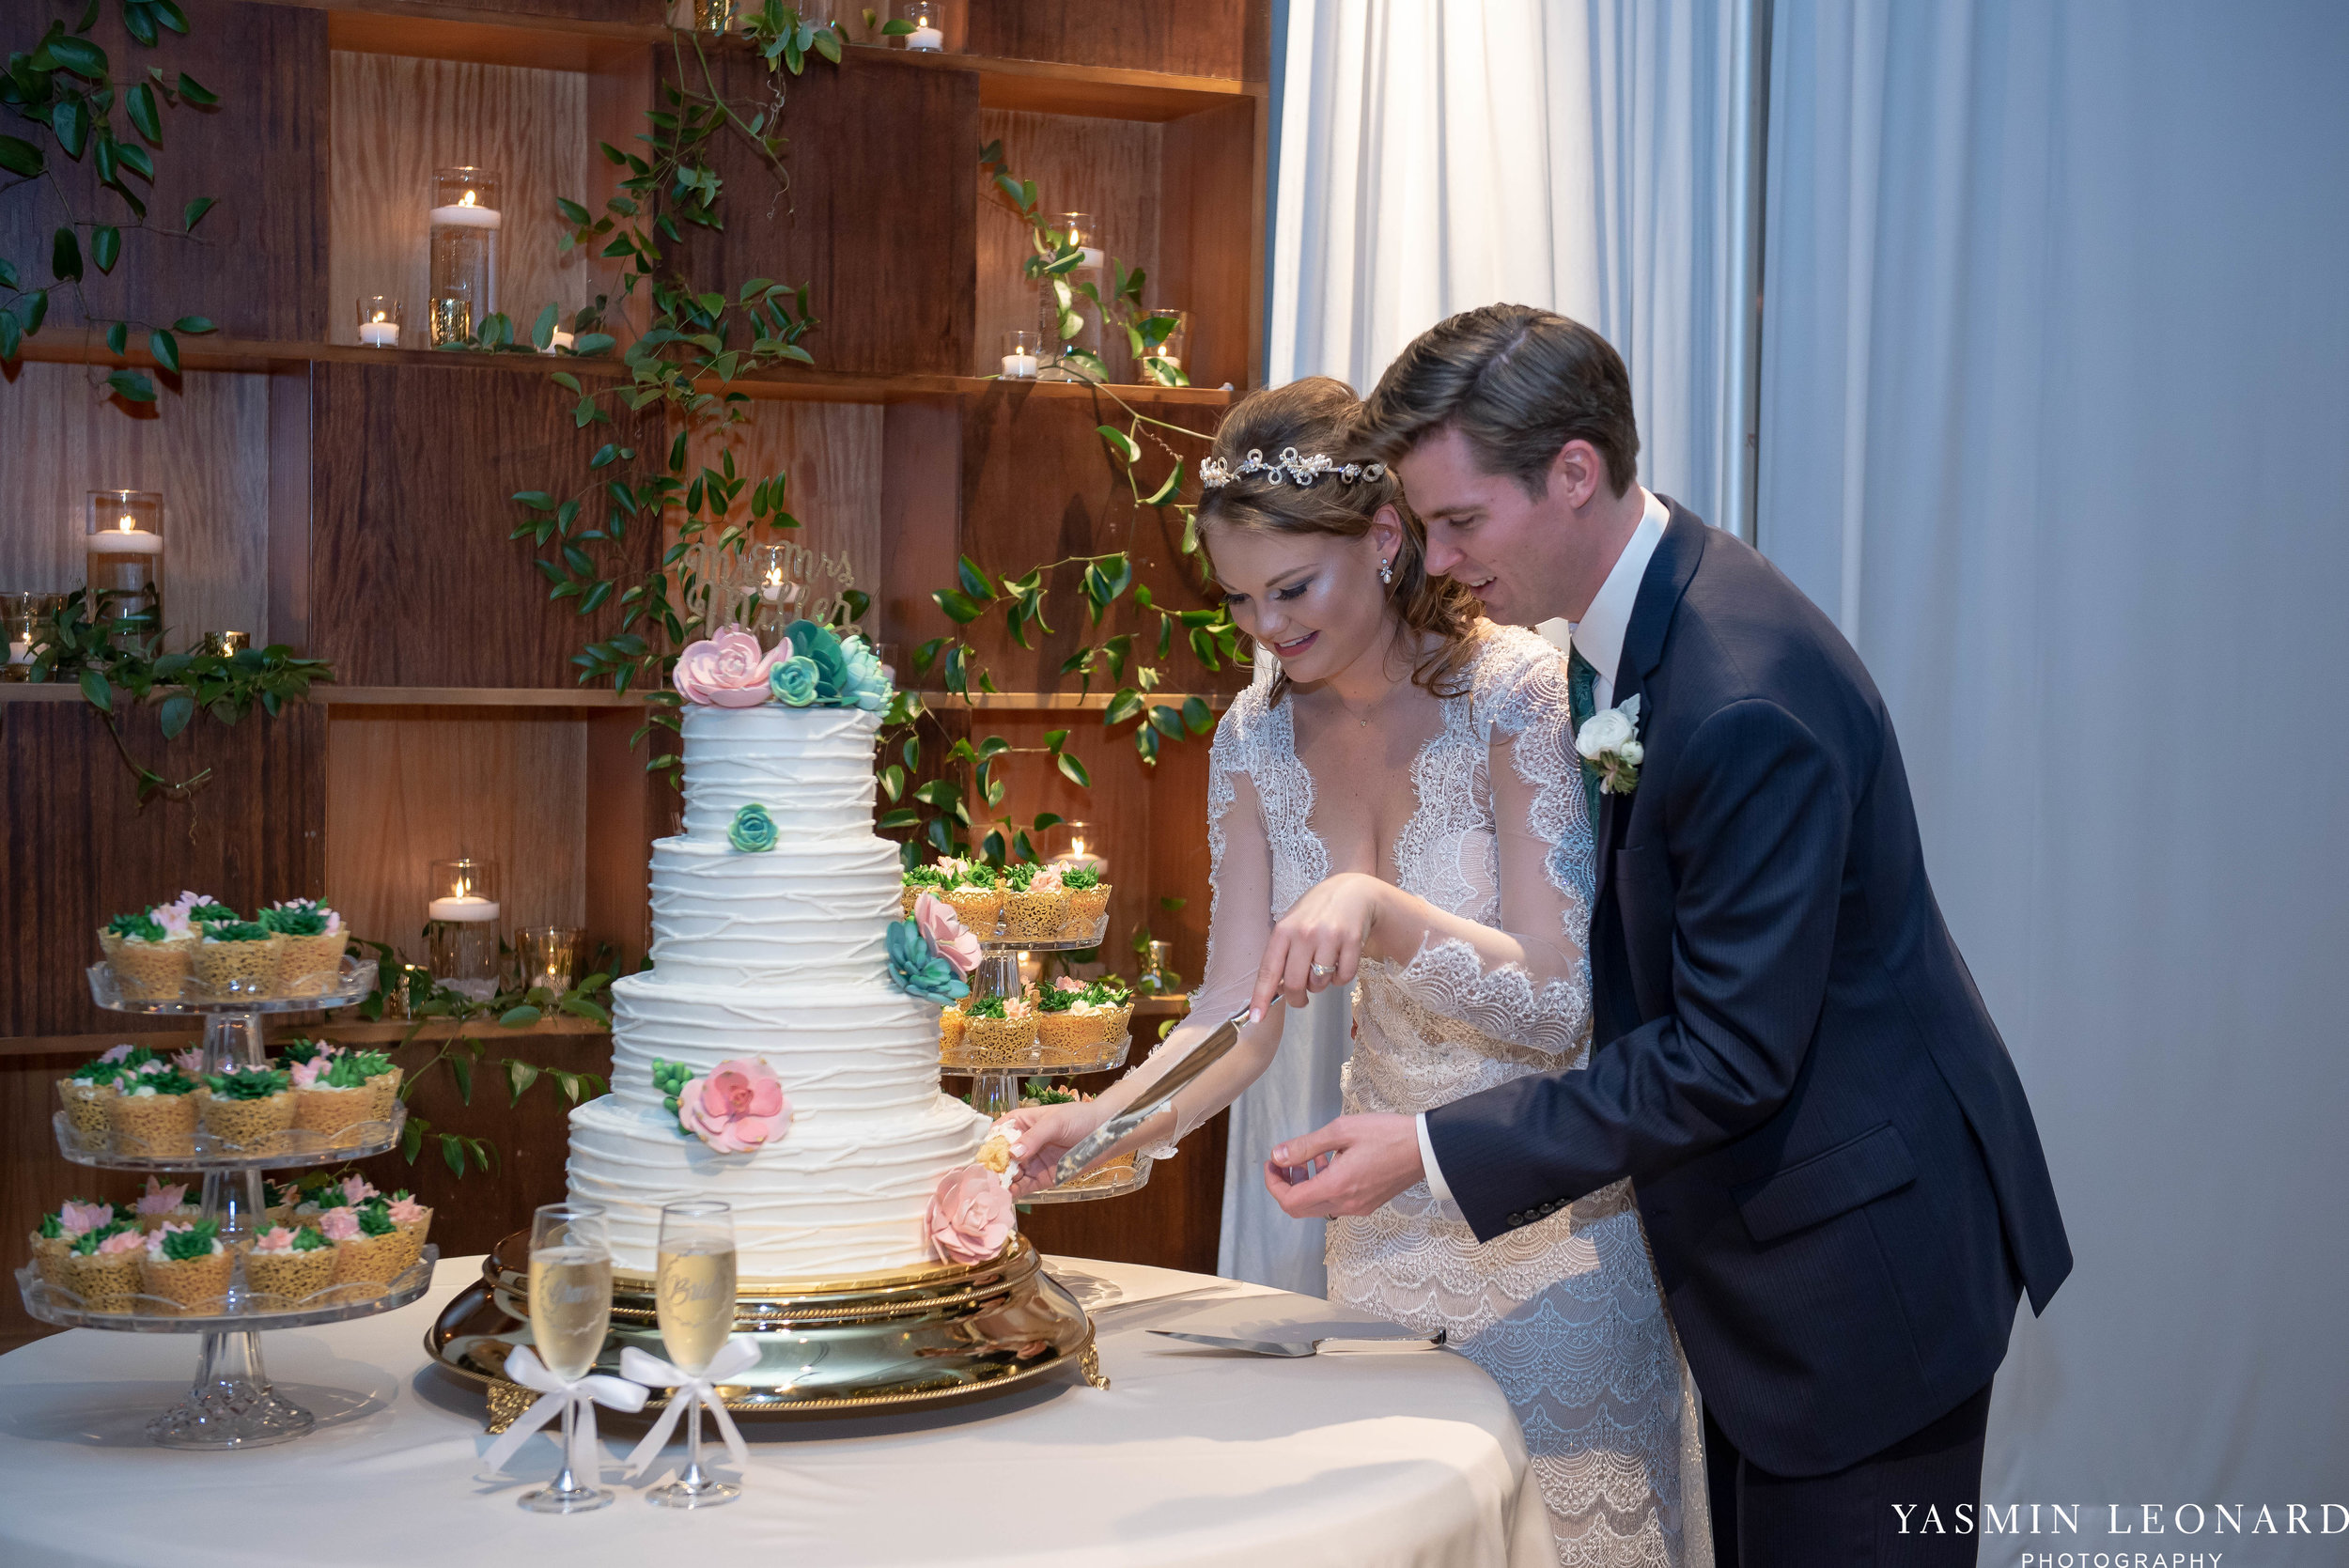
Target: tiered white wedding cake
[769,919]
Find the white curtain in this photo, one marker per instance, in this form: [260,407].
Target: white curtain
[2055,421]
[1592,157]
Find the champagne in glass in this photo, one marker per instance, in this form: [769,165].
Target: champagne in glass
[570,1309]
[694,1301]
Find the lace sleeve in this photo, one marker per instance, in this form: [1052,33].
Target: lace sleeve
[1530,981]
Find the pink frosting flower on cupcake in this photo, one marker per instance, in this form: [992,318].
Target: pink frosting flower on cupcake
[279,1239]
[737,1108]
[946,934]
[727,669]
[191,1061]
[970,1215]
[80,1218]
[159,1199]
[124,1241]
[358,1189]
[305,1075]
[1065,983]
[339,1224]
[407,1211]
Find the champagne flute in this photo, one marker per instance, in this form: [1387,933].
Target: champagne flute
[570,1310]
[693,1301]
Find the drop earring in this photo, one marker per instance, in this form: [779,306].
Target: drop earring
[1386,572]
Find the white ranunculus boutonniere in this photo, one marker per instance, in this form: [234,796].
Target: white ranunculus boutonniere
[1610,742]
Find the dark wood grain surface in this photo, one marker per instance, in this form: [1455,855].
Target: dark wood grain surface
[1184,37]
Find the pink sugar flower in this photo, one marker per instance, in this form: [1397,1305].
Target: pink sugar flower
[80,1218]
[279,1239]
[407,1211]
[739,1107]
[191,1061]
[121,1242]
[340,1225]
[970,1215]
[159,1199]
[116,1053]
[305,1074]
[945,933]
[1065,983]
[727,670]
[357,1189]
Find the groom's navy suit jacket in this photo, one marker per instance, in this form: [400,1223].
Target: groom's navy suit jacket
[1842,1183]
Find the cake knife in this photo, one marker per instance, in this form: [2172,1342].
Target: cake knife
[1206,1054]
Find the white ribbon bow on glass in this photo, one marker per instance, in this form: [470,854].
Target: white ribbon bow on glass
[685,1388]
[523,1366]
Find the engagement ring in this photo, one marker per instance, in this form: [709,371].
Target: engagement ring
[1325,968]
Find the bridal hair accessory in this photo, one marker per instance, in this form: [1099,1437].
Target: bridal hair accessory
[1301,471]
[685,1388]
[523,1366]
[1609,740]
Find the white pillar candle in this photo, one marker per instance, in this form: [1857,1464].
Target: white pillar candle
[379,335]
[1019,367]
[562,339]
[464,215]
[925,37]
[124,541]
[1092,255]
[20,650]
[465,908]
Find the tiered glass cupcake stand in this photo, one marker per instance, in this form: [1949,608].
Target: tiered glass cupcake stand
[995,1080]
[231,1404]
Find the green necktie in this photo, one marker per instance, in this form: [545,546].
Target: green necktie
[1582,704]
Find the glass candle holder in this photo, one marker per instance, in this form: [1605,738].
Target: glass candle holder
[464,239]
[1078,329]
[1021,356]
[1162,362]
[705,16]
[225,644]
[463,933]
[452,315]
[548,956]
[124,563]
[929,35]
[26,619]
[1077,843]
[379,320]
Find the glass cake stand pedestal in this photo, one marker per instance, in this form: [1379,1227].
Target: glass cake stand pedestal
[996,1078]
[231,1404]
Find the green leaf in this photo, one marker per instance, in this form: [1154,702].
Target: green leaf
[1126,705]
[593,343]
[117,337]
[1074,769]
[196,92]
[975,581]
[957,606]
[461,1068]
[519,1077]
[18,156]
[132,386]
[518,1017]
[197,208]
[1165,492]
[542,329]
[11,334]
[195,326]
[177,710]
[452,1152]
[904,816]
[1124,445]
[65,257]
[164,347]
[1167,720]
[69,120]
[139,103]
[1197,717]
[95,692]
[79,56]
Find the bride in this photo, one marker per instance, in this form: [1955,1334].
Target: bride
[1415,762]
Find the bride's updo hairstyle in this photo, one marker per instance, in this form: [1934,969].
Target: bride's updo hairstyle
[1313,416]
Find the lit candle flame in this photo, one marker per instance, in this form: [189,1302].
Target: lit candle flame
[467,200]
[775,576]
[1077,847]
[126,526]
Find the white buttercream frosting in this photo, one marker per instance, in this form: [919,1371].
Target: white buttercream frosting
[781,954]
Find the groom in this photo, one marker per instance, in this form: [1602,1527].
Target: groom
[1840,1176]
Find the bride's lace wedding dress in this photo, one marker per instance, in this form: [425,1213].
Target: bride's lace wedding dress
[1563,1313]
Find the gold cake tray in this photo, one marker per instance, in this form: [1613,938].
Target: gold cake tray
[827,1347]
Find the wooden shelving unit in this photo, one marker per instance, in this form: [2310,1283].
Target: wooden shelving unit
[353,501]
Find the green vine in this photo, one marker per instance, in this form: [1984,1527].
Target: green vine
[66,85]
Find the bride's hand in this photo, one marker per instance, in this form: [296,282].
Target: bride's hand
[1041,1134]
[1319,942]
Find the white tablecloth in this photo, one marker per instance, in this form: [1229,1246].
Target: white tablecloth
[1193,1456]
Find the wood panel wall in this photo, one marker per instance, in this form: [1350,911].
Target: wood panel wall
[834,455]
[1182,38]
[208,458]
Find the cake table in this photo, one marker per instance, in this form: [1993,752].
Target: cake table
[1193,1456]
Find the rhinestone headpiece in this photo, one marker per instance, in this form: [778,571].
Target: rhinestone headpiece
[1215,472]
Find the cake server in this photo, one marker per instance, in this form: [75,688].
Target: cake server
[1206,1054]
[1334,1344]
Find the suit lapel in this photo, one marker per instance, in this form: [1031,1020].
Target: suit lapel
[1666,579]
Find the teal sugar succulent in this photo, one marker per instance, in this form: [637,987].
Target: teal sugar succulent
[918,972]
[822,649]
[868,683]
[793,681]
[753,831]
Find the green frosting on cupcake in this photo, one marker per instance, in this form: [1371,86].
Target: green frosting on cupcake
[304,1050]
[925,877]
[294,923]
[986,1007]
[976,875]
[1081,879]
[375,1218]
[171,1081]
[252,1083]
[1019,876]
[86,1244]
[141,927]
[351,1071]
[194,1242]
[1052,998]
[237,931]
[211,914]
[310,1239]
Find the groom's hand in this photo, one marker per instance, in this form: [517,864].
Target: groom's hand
[1351,1166]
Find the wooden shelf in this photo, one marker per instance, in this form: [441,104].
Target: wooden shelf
[389,1032]
[382,696]
[1091,702]
[549,44]
[793,386]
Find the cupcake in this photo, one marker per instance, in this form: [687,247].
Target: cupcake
[160,1205]
[311,962]
[415,1219]
[149,952]
[976,896]
[1080,1022]
[311,1204]
[295,1265]
[245,1109]
[238,958]
[91,1090]
[950,1027]
[153,1113]
[1036,906]
[55,1236]
[370,1247]
[1088,901]
[187,1266]
[104,1267]
[337,1091]
[996,1029]
[277,1202]
[918,880]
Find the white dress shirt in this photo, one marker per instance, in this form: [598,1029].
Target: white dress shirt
[1599,637]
